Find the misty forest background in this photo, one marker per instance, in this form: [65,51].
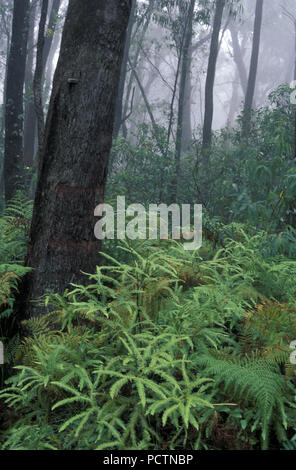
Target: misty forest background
[140,344]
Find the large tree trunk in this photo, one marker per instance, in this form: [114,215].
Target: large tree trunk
[210,80]
[13,154]
[77,143]
[247,113]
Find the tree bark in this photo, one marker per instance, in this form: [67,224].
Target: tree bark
[210,80]
[13,154]
[247,113]
[75,153]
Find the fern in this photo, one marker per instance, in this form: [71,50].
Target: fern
[255,382]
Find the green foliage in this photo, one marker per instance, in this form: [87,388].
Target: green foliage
[255,383]
[166,347]
[14,231]
[253,182]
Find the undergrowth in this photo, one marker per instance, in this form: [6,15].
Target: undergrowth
[163,349]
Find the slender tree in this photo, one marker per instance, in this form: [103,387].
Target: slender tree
[38,74]
[50,65]
[238,57]
[210,80]
[5,20]
[51,29]
[292,17]
[30,112]
[139,36]
[247,113]
[77,142]
[187,122]
[234,101]
[185,71]
[13,154]
[30,116]
[119,102]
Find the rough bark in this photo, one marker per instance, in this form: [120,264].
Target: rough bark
[13,154]
[210,80]
[75,153]
[247,113]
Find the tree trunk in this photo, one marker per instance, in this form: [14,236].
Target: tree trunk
[210,80]
[187,123]
[184,73]
[247,113]
[30,116]
[238,58]
[234,102]
[77,143]
[13,154]
[38,75]
[135,59]
[2,189]
[51,27]
[49,72]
